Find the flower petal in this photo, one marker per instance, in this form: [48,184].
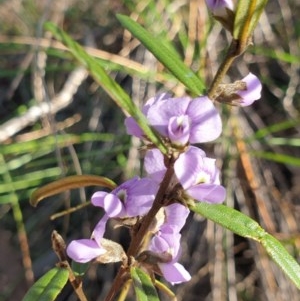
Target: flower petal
[179,129]
[176,215]
[100,229]
[188,166]
[253,91]
[209,193]
[140,197]
[84,250]
[160,112]
[174,272]
[132,128]
[206,121]
[154,164]
[109,202]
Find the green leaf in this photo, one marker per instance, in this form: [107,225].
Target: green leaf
[280,255]
[245,226]
[230,219]
[143,286]
[166,55]
[112,88]
[246,17]
[49,286]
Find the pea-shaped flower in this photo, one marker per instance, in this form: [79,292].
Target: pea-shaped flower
[181,120]
[197,174]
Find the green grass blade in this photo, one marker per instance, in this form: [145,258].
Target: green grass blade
[165,55]
[245,226]
[143,286]
[284,141]
[280,158]
[98,73]
[49,286]
[112,88]
[274,128]
[276,54]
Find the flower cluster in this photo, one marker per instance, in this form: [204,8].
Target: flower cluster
[181,122]
[131,199]
[165,244]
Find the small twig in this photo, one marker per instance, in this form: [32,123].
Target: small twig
[138,238]
[233,52]
[59,247]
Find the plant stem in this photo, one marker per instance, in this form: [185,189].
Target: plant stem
[138,238]
[234,51]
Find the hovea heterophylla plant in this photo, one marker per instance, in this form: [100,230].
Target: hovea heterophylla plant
[179,176]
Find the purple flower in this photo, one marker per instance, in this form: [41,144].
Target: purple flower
[182,120]
[85,250]
[252,91]
[175,217]
[185,119]
[154,164]
[199,176]
[130,123]
[167,243]
[132,198]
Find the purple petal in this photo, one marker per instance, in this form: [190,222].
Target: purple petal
[109,202]
[179,129]
[166,242]
[84,250]
[253,91]
[160,112]
[176,215]
[174,272]
[188,165]
[140,197]
[209,193]
[100,229]
[206,121]
[133,128]
[154,165]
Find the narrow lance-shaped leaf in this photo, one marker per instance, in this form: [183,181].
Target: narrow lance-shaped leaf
[143,286]
[165,56]
[245,226]
[112,88]
[231,219]
[49,286]
[67,183]
[280,255]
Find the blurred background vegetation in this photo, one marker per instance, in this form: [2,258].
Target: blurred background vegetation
[55,121]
